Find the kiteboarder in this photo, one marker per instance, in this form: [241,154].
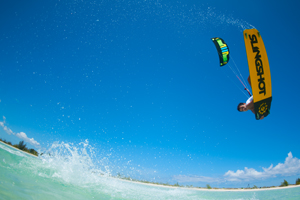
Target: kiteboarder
[260,101]
[249,105]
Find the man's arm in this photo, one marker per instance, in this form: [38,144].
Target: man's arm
[250,106]
[249,81]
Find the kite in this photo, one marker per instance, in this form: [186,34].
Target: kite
[222,49]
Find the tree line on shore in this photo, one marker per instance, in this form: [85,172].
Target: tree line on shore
[21,146]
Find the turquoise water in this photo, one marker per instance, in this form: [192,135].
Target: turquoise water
[23,176]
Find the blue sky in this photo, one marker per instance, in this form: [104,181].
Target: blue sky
[141,81]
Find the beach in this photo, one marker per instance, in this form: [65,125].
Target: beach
[18,149]
[217,189]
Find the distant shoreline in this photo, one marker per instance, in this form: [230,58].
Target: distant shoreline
[248,189]
[18,149]
[185,187]
[215,189]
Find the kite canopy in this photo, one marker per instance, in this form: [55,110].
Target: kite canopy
[222,49]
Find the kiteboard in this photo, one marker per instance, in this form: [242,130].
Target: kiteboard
[259,70]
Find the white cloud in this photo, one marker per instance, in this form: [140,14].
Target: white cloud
[246,174]
[5,128]
[291,166]
[24,137]
[20,135]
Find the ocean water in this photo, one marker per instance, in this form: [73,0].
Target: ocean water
[23,176]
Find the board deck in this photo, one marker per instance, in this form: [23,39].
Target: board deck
[259,70]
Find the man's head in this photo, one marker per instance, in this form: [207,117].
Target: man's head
[242,107]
